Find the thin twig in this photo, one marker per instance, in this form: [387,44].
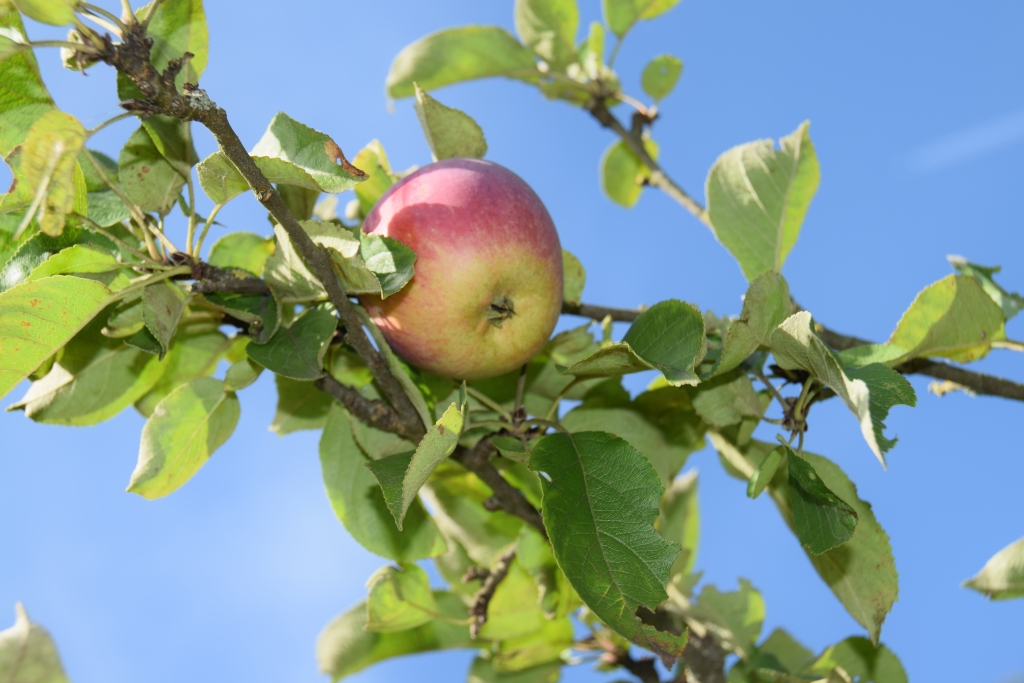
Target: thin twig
[198,251]
[625,315]
[478,611]
[113,238]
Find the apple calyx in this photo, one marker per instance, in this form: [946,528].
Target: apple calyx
[501,309]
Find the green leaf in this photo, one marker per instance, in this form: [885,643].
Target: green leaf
[861,572]
[455,497]
[621,15]
[345,646]
[591,52]
[546,645]
[623,174]
[668,337]
[402,475]
[765,472]
[106,208]
[727,399]
[295,154]
[953,318]
[358,501]
[399,599]
[297,351]
[242,374]
[162,306]
[179,26]
[590,512]
[1010,303]
[548,27]
[450,132]
[144,340]
[374,161]
[660,76]
[758,197]
[821,519]
[632,424]
[862,661]
[300,405]
[766,305]
[54,12]
[12,41]
[219,178]
[24,98]
[245,250]
[679,521]
[868,392]
[37,318]
[261,311]
[456,55]
[27,653]
[78,258]
[300,200]
[486,671]
[287,275]
[1002,577]
[194,353]
[146,177]
[738,614]
[513,611]
[95,379]
[181,435]
[389,260]
[786,650]
[48,158]
[574,278]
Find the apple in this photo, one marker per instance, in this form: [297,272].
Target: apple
[487,289]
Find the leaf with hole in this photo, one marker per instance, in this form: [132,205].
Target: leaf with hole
[660,76]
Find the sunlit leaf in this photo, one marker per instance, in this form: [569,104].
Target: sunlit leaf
[459,54]
[358,501]
[146,177]
[660,76]
[402,475]
[1002,577]
[821,519]
[39,317]
[450,132]
[737,614]
[194,353]
[679,520]
[623,174]
[548,27]
[47,167]
[766,305]
[862,660]
[162,306]
[1011,303]
[24,98]
[245,250]
[294,154]
[181,435]
[374,162]
[574,277]
[758,196]
[345,646]
[621,15]
[400,599]
[55,12]
[27,653]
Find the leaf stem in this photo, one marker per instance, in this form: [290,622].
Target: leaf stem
[116,240]
[78,47]
[146,280]
[206,228]
[489,402]
[1008,344]
[553,410]
[96,129]
[100,12]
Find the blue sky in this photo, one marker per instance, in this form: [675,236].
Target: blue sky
[918,119]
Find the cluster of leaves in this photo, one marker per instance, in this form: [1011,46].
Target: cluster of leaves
[102,312]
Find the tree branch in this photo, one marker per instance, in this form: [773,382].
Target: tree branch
[377,414]
[704,658]
[510,499]
[131,57]
[979,383]
[626,315]
[493,577]
[659,179]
